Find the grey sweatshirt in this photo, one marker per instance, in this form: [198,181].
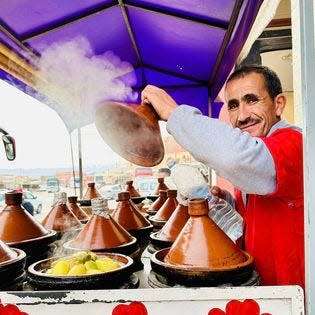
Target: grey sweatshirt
[235,155]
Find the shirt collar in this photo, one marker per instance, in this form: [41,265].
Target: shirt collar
[281,124]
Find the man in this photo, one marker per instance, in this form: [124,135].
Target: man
[261,155]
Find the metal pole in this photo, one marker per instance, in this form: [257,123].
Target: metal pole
[303,33]
[80,163]
[73,169]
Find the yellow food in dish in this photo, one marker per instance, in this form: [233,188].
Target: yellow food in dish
[82,263]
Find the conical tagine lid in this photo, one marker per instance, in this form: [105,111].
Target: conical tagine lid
[131,131]
[91,192]
[161,186]
[60,218]
[16,224]
[202,244]
[174,224]
[158,203]
[76,210]
[101,231]
[6,253]
[131,189]
[127,214]
[168,207]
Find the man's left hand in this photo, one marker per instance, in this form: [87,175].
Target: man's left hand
[162,102]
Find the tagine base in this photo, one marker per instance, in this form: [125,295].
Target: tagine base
[107,280]
[159,281]
[157,244]
[137,200]
[191,277]
[12,272]
[152,197]
[157,224]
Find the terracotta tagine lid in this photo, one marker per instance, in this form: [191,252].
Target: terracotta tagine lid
[16,224]
[174,224]
[6,253]
[166,210]
[102,231]
[202,244]
[131,189]
[76,210]
[127,214]
[161,186]
[91,192]
[158,203]
[60,218]
[132,131]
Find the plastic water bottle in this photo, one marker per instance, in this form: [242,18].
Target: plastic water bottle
[191,184]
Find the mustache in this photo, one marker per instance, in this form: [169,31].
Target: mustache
[247,122]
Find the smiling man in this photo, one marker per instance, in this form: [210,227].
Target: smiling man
[261,155]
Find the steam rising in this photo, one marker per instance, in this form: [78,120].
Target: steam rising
[74,81]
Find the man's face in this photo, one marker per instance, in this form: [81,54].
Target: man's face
[250,106]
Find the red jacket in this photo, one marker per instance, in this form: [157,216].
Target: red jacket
[274,224]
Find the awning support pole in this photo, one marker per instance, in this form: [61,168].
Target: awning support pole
[303,34]
[80,163]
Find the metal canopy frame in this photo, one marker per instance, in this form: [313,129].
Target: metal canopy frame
[303,31]
[22,42]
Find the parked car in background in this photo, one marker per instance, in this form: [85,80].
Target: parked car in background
[27,197]
[2,203]
[37,203]
[111,191]
[52,185]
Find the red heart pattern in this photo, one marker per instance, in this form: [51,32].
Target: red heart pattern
[10,309]
[234,307]
[134,308]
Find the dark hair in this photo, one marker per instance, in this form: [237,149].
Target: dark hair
[272,80]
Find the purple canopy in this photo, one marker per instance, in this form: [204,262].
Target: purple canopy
[186,47]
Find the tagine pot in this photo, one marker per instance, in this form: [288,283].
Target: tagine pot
[169,232]
[12,263]
[134,193]
[158,203]
[130,217]
[132,131]
[103,234]
[61,219]
[90,194]
[164,213]
[115,279]
[76,210]
[20,230]
[202,254]
[161,186]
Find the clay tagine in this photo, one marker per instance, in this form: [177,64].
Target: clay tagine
[129,216]
[12,263]
[16,224]
[132,131]
[166,210]
[158,203]
[60,218]
[168,234]
[90,194]
[103,233]
[76,210]
[6,253]
[20,230]
[134,193]
[161,186]
[202,253]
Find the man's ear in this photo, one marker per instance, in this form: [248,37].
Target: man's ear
[280,101]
